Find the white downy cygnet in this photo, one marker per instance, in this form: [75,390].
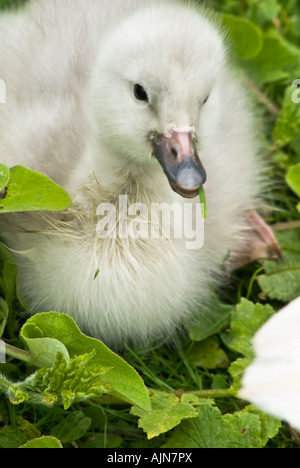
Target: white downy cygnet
[133,98]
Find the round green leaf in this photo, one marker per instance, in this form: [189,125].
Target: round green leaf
[276,54]
[245,36]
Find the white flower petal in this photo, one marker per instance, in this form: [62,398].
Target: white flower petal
[272,381]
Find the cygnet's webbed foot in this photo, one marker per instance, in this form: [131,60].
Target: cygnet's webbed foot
[257,242]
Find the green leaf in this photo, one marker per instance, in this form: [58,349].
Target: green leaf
[208,354]
[247,319]
[202,197]
[72,428]
[21,432]
[293,175]
[11,437]
[3,315]
[210,429]
[269,425]
[68,383]
[73,376]
[246,37]
[167,412]
[16,395]
[288,122]
[268,8]
[282,159]
[282,279]
[237,370]
[4,176]
[43,349]
[276,54]
[96,440]
[30,191]
[43,442]
[8,281]
[63,384]
[59,333]
[27,427]
[210,321]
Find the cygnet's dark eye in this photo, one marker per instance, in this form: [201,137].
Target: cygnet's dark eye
[140,93]
[205,100]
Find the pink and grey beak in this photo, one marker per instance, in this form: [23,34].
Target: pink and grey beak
[179,159]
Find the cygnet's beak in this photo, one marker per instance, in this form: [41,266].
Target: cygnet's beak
[179,159]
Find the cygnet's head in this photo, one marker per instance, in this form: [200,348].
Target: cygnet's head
[156,91]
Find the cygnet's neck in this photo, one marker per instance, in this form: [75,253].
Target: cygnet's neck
[118,174]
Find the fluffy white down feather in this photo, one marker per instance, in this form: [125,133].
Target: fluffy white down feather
[69,68]
[272,381]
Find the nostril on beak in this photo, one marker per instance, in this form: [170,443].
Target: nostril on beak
[174,152]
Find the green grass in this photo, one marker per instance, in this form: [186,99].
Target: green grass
[172,370]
